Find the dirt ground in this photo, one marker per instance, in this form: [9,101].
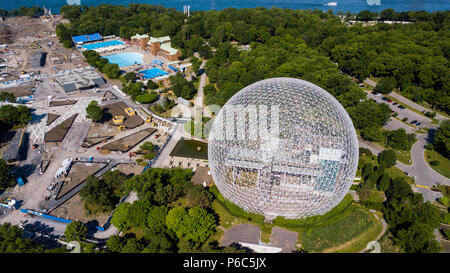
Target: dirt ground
[57,133]
[78,173]
[24,35]
[62,102]
[74,210]
[130,169]
[20,91]
[126,143]
[102,130]
[51,118]
[118,109]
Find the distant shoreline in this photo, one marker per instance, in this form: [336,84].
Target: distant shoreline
[353,6]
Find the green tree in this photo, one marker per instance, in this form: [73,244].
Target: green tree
[75,231]
[93,111]
[198,196]
[417,239]
[197,224]
[133,245]
[387,158]
[442,139]
[7,179]
[115,243]
[399,139]
[120,217]
[383,182]
[152,85]
[130,76]
[385,86]
[156,219]
[398,189]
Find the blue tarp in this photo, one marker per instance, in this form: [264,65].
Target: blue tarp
[87,38]
[173,68]
[20,181]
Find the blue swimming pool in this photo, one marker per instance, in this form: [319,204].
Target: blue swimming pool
[125,59]
[102,44]
[153,73]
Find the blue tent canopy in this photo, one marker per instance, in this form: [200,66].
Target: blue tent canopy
[87,38]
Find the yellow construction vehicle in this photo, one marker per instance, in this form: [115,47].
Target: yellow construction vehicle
[118,119]
[121,128]
[130,111]
[148,120]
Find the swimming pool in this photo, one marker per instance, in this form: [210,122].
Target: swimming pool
[153,73]
[102,44]
[125,59]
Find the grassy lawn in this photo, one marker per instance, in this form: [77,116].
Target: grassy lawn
[421,131]
[351,234]
[266,232]
[376,196]
[140,232]
[197,84]
[395,172]
[225,218]
[375,79]
[403,156]
[444,163]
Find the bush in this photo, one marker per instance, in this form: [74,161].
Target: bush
[75,231]
[387,158]
[364,151]
[444,200]
[446,233]
[430,114]
[434,162]
[446,218]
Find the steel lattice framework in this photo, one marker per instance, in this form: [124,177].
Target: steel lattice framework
[283,147]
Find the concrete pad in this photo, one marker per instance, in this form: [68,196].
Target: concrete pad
[246,233]
[285,239]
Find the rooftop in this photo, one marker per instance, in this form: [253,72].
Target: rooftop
[169,49]
[79,78]
[160,39]
[139,36]
[87,38]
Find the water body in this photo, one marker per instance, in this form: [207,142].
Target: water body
[343,5]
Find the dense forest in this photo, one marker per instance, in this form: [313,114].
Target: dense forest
[298,43]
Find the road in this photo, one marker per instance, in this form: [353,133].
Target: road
[405,113]
[420,170]
[406,101]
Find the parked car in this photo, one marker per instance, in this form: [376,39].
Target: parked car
[414,121]
[418,123]
[384,98]
[394,103]
[389,101]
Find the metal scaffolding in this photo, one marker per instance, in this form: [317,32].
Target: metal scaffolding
[283,147]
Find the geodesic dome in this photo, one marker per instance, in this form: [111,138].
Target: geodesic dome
[283,147]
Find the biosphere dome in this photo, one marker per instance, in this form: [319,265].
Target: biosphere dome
[283,147]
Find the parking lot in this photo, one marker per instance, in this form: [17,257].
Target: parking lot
[404,112]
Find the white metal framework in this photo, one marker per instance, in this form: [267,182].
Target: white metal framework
[283,147]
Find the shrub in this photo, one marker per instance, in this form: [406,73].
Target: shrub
[434,162]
